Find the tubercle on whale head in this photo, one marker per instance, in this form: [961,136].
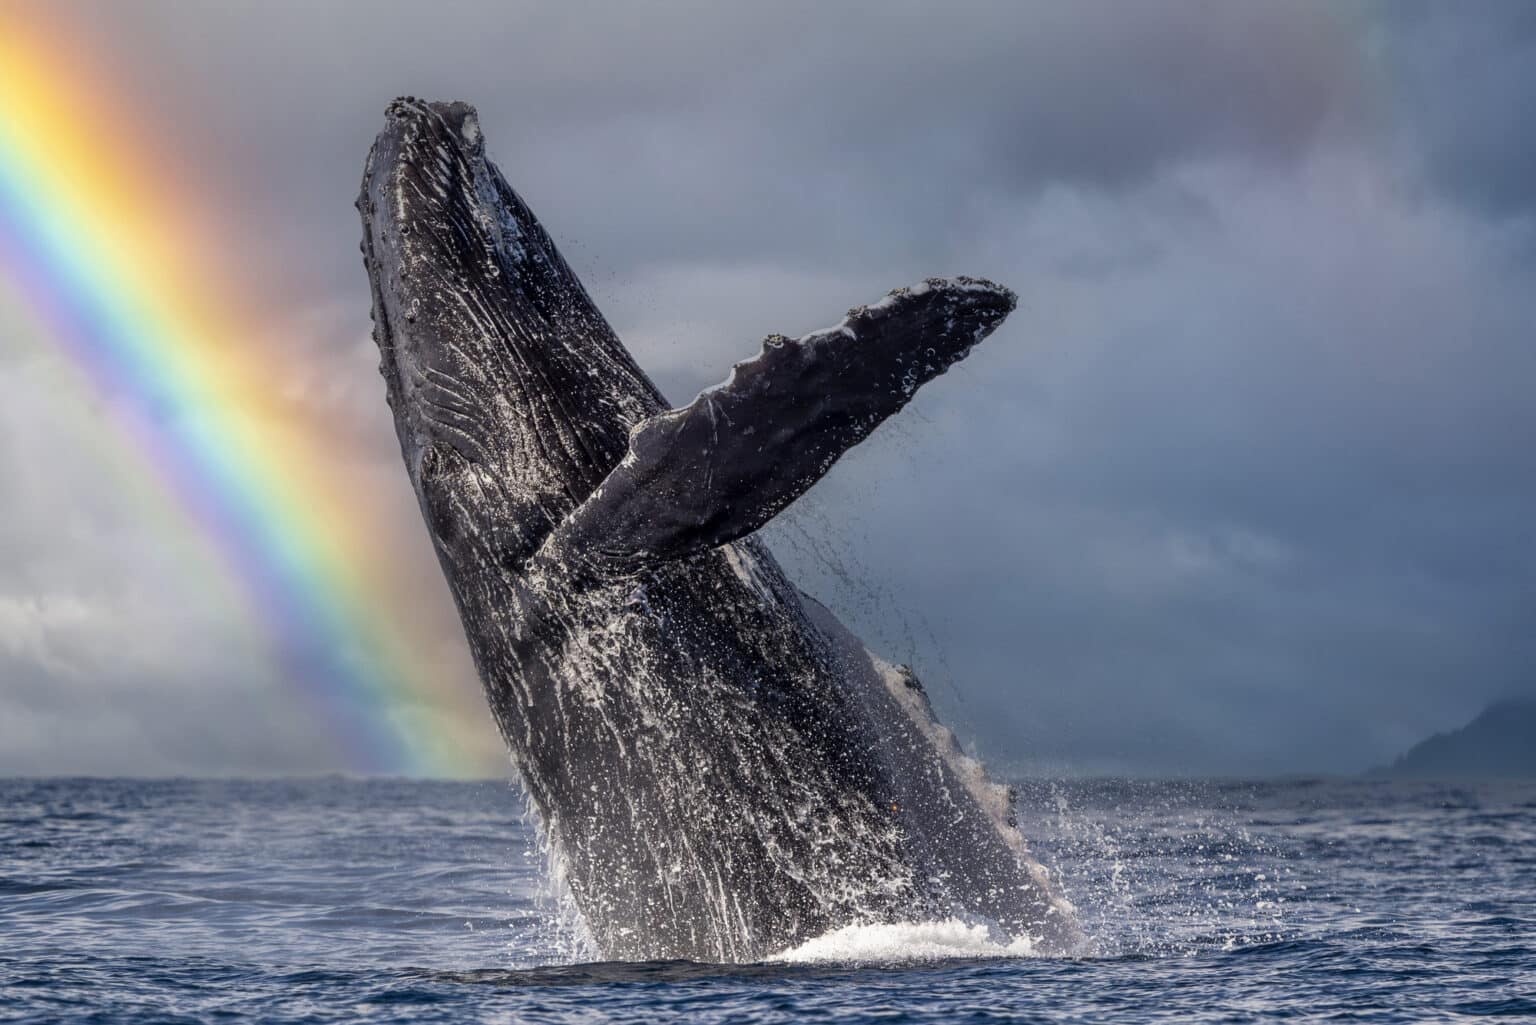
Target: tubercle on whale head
[504,380]
[416,184]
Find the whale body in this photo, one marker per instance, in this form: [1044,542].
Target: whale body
[724,769]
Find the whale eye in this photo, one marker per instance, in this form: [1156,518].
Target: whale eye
[438,462]
[431,462]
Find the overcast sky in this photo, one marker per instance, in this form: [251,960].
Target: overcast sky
[1244,486]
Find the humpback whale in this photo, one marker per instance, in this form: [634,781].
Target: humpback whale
[724,770]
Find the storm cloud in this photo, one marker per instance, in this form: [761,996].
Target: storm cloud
[1242,487]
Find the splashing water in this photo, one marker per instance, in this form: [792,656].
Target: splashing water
[906,941]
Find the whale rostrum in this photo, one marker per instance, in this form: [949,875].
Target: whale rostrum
[724,769]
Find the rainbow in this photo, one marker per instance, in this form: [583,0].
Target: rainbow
[107,268]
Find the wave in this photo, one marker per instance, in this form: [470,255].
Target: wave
[907,941]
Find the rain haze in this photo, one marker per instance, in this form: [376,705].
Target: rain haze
[1243,487]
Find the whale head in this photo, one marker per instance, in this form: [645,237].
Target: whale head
[512,396]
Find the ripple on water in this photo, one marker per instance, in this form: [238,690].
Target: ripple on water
[336,900]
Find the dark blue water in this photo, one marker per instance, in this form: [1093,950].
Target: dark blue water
[333,900]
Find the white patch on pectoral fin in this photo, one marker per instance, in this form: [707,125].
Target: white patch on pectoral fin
[873,676]
[995,799]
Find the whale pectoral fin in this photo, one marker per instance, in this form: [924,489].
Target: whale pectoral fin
[728,462]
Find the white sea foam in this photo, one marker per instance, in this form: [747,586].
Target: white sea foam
[907,941]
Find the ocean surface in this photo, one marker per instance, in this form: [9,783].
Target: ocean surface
[338,900]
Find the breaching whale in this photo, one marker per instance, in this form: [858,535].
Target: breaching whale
[724,770]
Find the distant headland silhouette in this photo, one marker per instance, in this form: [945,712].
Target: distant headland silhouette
[1499,744]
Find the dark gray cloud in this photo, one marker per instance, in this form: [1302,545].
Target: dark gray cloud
[1242,487]
[1276,497]
[1463,81]
[799,132]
